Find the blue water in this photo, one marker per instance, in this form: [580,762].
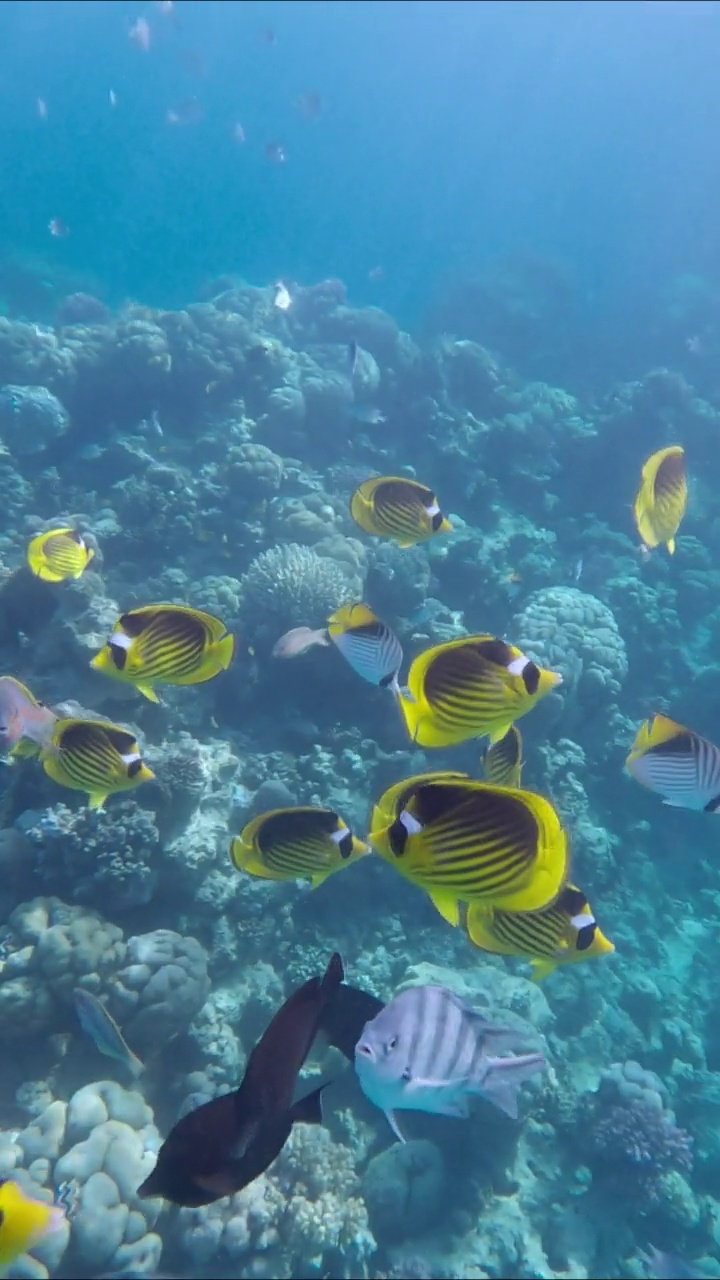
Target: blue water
[451,133]
[530,190]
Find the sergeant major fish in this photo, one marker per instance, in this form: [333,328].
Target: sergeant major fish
[428,1051]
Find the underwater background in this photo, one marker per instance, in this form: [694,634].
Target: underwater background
[250,256]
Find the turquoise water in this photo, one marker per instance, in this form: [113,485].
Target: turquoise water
[495,228]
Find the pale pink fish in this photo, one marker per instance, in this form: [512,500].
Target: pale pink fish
[298,640]
[22,716]
[140,35]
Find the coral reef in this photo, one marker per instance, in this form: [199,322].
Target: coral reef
[208,455]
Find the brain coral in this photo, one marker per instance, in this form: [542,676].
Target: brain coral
[162,986]
[93,1151]
[53,948]
[576,634]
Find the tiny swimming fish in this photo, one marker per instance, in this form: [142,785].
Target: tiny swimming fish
[58,554]
[165,644]
[428,1051]
[104,1031]
[397,508]
[140,35]
[563,933]
[26,725]
[94,756]
[305,842]
[469,687]
[678,764]
[23,1222]
[368,414]
[667,1266]
[282,299]
[465,841]
[661,500]
[226,1143]
[502,760]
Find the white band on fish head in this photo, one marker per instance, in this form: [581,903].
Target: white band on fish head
[411,824]
[518,665]
[433,509]
[341,834]
[120,639]
[130,757]
[583,921]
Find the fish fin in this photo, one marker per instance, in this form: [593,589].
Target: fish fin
[502,1077]
[448,907]
[542,969]
[147,691]
[671,546]
[392,1121]
[402,692]
[224,651]
[308,1110]
[96,799]
[495,735]
[674,804]
[320,876]
[404,545]
[135,1065]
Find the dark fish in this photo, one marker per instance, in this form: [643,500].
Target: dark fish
[345,1015]
[225,1144]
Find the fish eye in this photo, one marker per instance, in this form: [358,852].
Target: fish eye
[406,1075]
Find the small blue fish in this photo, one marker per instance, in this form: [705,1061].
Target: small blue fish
[367,414]
[103,1030]
[367,644]
[667,1266]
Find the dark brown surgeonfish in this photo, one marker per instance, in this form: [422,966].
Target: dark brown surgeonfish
[345,1015]
[226,1143]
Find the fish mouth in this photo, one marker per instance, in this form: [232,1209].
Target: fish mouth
[364,1050]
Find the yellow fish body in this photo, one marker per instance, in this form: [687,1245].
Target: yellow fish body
[96,757]
[58,554]
[565,932]
[398,508]
[503,762]
[23,1221]
[470,687]
[165,644]
[466,841]
[661,500]
[304,842]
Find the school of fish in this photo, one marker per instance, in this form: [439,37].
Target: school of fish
[492,856]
